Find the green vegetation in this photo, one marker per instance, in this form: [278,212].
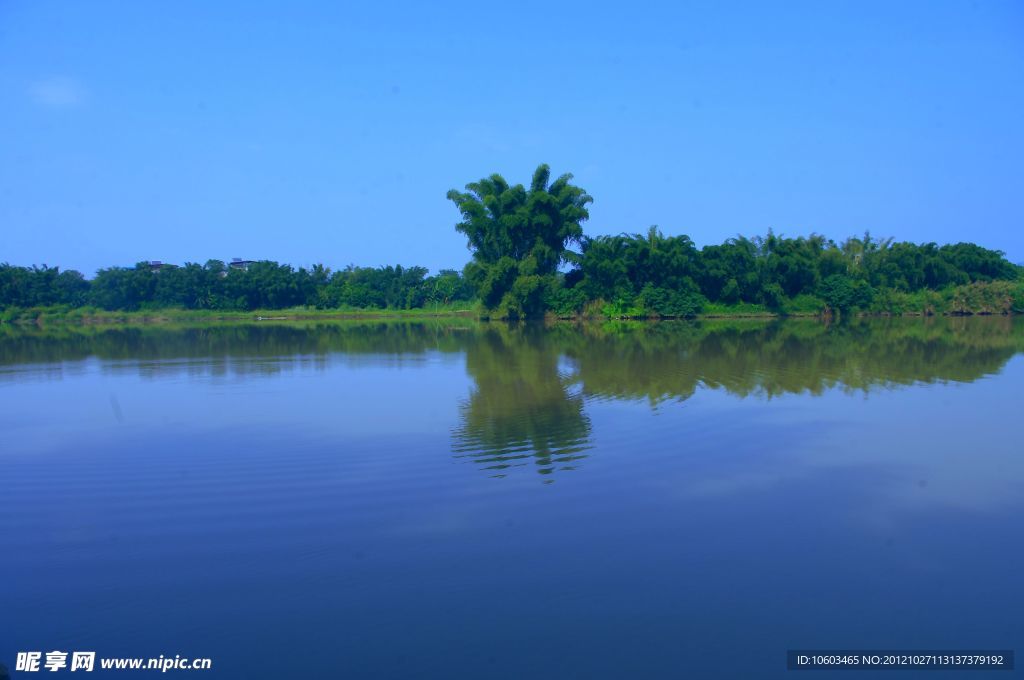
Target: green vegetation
[102,317]
[216,290]
[519,237]
[657,276]
[522,267]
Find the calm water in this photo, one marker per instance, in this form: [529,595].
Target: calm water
[474,501]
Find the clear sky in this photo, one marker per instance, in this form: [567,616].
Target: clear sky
[330,131]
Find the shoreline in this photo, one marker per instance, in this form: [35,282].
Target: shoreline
[182,317]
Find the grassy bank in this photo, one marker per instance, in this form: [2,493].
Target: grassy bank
[998,297]
[95,316]
[982,298]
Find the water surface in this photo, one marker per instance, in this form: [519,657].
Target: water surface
[398,500]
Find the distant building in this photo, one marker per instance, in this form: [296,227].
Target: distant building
[239,263]
[157,265]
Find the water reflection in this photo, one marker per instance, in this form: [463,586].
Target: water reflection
[239,348]
[522,408]
[527,406]
[670,361]
[761,477]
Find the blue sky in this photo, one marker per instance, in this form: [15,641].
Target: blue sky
[330,132]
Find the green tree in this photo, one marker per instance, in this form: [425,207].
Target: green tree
[123,288]
[656,273]
[519,237]
[843,293]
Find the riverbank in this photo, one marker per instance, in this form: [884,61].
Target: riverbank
[89,316]
[95,317]
[979,298]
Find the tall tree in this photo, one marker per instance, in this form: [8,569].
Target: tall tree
[519,237]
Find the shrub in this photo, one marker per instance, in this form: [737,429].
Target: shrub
[670,303]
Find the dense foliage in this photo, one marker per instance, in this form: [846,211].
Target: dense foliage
[519,237]
[216,286]
[668,276]
[522,266]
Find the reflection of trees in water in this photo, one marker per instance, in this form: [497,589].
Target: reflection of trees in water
[244,349]
[521,409]
[661,362]
[650,360]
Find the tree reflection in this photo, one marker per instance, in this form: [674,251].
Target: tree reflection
[223,348]
[526,409]
[522,409]
[669,361]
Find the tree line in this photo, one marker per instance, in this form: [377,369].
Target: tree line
[216,286]
[521,242]
[530,256]
[669,276]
